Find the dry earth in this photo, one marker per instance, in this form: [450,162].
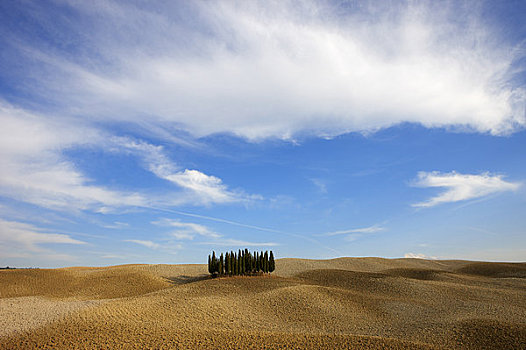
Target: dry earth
[362,303]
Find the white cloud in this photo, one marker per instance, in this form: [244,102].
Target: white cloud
[113,256]
[276,69]
[461,186]
[35,170]
[21,240]
[419,256]
[148,244]
[199,187]
[370,229]
[240,243]
[117,225]
[187,230]
[209,189]
[320,184]
[355,233]
[29,237]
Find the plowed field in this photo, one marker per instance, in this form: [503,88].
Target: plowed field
[362,303]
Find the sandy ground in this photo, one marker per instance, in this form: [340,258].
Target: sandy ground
[27,313]
[364,303]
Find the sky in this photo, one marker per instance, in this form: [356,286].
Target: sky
[156,132]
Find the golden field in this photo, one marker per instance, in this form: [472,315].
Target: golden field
[358,303]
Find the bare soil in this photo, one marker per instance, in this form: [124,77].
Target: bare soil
[362,303]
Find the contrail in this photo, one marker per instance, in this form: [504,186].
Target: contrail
[240,224]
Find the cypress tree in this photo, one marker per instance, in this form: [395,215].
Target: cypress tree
[250,265]
[241,263]
[221,265]
[265,262]
[236,264]
[209,265]
[247,261]
[232,263]
[214,263]
[272,264]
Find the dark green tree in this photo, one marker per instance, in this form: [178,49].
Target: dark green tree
[248,268]
[214,263]
[241,262]
[232,263]
[238,264]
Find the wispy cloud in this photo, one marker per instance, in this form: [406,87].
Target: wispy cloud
[30,237]
[461,187]
[146,243]
[320,184]
[242,66]
[201,188]
[114,256]
[355,233]
[187,230]
[209,189]
[22,240]
[35,170]
[239,243]
[370,229]
[116,225]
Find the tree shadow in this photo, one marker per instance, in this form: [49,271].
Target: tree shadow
[183,279]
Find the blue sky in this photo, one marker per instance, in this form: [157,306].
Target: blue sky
[155,132]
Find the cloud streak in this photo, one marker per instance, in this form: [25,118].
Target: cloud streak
[186,230]
[145,243]
[461,187]
[370,229]
[201,188]
[240,243]
[189,230]
[22,240]
[356,233]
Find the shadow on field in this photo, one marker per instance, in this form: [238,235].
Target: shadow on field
[183,279]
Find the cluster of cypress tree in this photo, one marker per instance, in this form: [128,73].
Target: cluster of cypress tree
[241,263]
